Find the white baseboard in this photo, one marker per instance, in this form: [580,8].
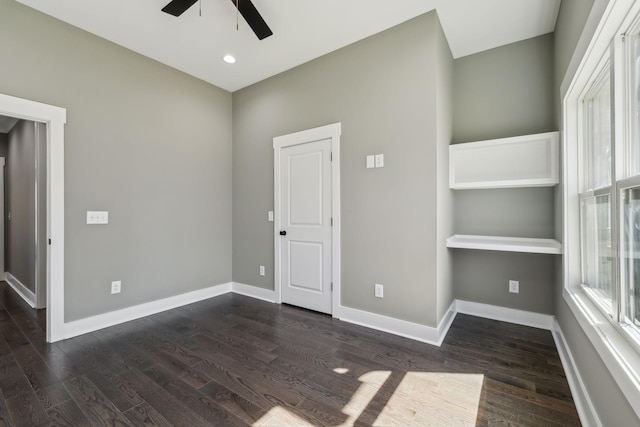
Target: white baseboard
[101,321]
[447,321]
[511,315]
[254,292]
[391,325]
[584,405]
[24,292]
[403,328]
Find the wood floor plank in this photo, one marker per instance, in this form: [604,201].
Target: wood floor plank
[34,368]
[52,395]
[201,404]
[59,363]
[13,381]
[553,407]
[5,416]
[144,415]
[260,396]
[93,404]
[234,341]
[68,414]
[191,375]
[26,410]
[242,408]
[263,381]
[10,331]
[110,384]
[161,401]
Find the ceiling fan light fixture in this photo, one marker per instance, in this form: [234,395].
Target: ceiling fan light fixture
[229,59]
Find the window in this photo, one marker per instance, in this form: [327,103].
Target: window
[601,192]
[609,194]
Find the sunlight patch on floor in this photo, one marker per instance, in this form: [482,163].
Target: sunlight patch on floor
[403,399]
[438,399]
[279,417]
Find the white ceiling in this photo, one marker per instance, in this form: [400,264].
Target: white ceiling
[303,29]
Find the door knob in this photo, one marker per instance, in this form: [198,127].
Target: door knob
[283,233]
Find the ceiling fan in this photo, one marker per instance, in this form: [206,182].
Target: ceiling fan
[244,7]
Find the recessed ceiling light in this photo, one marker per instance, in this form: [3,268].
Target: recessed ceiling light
[229,59]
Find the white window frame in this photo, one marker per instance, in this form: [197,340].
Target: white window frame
[616,343]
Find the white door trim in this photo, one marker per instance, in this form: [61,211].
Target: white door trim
[55,118]
[3,275]
[332,131]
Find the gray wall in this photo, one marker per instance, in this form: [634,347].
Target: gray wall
[503,92]
[444,201]
[21,203]
[611,405]
[143,141]
[506,91]
[385,97]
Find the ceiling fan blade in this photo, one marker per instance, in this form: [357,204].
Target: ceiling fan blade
[253,18]
[178,7]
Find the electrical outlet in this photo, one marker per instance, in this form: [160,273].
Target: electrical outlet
[116,287]
[514,286]
[262,270]
[379,291]
[379,160]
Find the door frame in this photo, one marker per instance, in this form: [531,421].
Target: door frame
[333,132]
[3,267]
[55,118]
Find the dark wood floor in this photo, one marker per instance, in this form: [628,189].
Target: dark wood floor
[233,360]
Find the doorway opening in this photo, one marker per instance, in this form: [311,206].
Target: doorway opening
[48,122]
[23,205]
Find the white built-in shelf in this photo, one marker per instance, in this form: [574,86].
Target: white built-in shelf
[522,161]
[507,244]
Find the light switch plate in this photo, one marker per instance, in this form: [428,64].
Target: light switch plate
[379,160]
[270,216]
[514,286]
[371,162]
[97,217]
[116,287]
[379,290]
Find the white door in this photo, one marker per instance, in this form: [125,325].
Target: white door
[305,225]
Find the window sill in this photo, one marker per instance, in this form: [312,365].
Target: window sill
[620,357]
